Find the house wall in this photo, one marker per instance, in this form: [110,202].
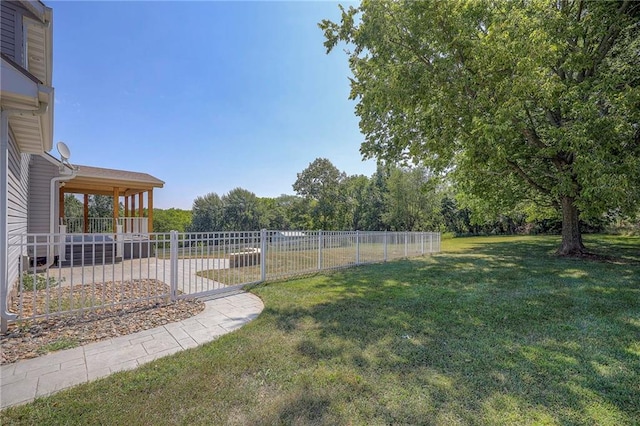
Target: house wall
[12,45]
[41,173]
[11,33]
[18,186]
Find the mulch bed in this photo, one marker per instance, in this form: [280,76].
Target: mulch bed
[32,338]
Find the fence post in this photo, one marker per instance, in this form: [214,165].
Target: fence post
[263,254]
[120,238]
[422,244]
[320,240]
[384,244]
[173,264]
[406,244]
[430,242]
[357,247]
[62,238]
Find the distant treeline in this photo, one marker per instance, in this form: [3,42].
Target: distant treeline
[395,198]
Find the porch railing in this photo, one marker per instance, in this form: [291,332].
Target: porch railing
[101,225]
[94,272]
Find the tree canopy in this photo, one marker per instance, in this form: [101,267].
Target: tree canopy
[319,183]
[535,101]
[72,206]
[394,198]
[165,220]
[207,214]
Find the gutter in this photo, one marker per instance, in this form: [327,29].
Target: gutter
[4,196]
[52,210]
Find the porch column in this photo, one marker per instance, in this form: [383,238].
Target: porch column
[140,211]
[126,212]
[150,210]
[85,214]
[116,208]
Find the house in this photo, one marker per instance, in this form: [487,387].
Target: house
[51,179]
[132,190]
[26,120]
[33,183]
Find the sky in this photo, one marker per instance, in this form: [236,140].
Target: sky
[206,96]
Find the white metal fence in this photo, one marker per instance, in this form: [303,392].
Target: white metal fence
[80,273]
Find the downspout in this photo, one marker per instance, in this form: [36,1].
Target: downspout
[52,210]
[5,315]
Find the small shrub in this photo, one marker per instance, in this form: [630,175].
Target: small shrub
[31,282]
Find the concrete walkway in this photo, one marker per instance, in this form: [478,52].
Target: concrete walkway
[23,381]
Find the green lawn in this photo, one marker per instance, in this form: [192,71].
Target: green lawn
[492,331]
[287,263]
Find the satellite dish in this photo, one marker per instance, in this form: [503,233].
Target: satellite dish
[63,149]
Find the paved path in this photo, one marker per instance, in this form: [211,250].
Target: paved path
[23,381]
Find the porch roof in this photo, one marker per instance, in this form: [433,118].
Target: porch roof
[98,180]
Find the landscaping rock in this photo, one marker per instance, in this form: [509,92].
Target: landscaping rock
[29,339]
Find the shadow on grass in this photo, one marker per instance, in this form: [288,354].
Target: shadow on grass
[504,329]
[502,333]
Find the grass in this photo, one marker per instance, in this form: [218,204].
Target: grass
[282,263]
[492,331]
[60,344]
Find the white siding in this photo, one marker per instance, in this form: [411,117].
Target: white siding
[11,39]
[18,184]
[40,175]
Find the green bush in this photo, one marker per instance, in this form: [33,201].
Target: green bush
[31,282]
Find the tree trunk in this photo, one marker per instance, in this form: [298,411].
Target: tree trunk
[571,235]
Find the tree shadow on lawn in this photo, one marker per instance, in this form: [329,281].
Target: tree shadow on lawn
[606,248]
[506,329]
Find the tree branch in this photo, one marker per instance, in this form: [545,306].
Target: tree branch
[527,178]
[580,8]
[404,40]
[413,50]
[607,41]
[554,117]
[530,133]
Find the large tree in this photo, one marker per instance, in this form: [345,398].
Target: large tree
[352,210]
[320,184]
[411,200]
[207,214]
[73,207]
[100,206]
[241,211]
[529,100]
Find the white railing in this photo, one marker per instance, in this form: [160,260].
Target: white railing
[78,273]
[134,225]
[101,225]
[75,225]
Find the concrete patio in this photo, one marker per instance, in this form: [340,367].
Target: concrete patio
[189,282]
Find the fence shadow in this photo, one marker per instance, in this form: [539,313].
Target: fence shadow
[508,323]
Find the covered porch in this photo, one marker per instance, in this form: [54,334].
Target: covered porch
[132,194]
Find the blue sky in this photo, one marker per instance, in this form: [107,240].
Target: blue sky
[207,96]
